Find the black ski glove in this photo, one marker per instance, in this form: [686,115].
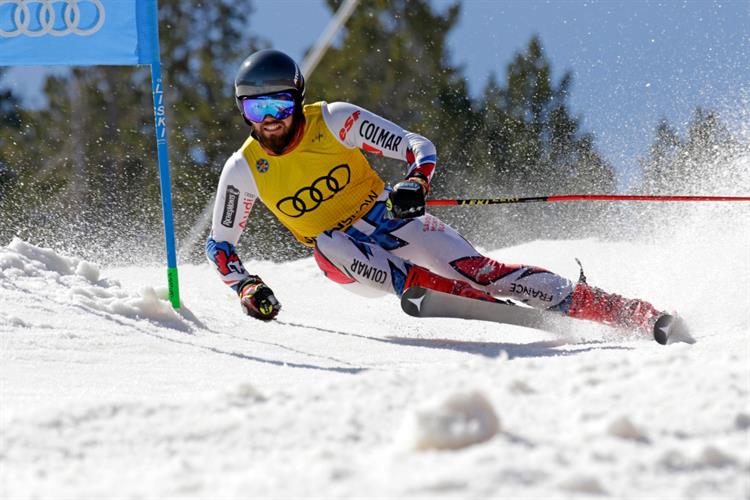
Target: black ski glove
[407,200]
[257,299]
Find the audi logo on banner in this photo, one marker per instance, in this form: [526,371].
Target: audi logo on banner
[310,197]
[50,17]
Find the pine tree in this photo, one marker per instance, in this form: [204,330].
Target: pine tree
[528,143]
[698,162]
[10,120]
[657,169]
[529,136]
[693,163]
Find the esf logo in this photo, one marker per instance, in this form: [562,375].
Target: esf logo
[310,197]
[348,124]
[379,136]
[262,165]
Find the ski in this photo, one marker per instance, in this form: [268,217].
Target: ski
[669,329]
[425,303]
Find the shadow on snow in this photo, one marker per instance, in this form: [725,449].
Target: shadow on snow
[540,349]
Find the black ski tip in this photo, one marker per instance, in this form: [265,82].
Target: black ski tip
[662,327]
[669,329]
[411,300]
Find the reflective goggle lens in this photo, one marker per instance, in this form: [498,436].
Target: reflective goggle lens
[279,106]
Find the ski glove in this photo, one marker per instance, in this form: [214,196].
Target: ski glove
[407,199]
[257,299]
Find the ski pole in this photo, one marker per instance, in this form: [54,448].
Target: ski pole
[581,197]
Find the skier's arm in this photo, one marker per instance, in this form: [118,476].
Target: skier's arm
[356,127]
[234,200]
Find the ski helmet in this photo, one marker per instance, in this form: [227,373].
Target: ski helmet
[266,72]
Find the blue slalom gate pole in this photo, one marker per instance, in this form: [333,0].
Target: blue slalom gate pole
[162,151]
[148,48]
[150,45]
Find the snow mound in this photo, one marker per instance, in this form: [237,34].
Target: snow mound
[624,428]
[583,484]
[460,420]
[32,276]
[11,320]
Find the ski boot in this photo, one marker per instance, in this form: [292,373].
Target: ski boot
[595,304]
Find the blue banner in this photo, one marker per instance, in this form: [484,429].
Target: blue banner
[78,32]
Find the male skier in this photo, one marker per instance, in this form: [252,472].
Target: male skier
[305,164]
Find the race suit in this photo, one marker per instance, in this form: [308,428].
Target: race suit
[325,192]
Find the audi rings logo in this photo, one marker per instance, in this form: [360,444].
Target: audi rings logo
[50,17]
[310,197]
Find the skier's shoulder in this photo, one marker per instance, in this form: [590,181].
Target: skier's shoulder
[237,175]
[339,110]
[238,160]
[341,117]
[314,108]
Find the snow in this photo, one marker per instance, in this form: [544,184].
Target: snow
[106,391]
[460,420]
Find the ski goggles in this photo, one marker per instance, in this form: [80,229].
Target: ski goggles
[279,106]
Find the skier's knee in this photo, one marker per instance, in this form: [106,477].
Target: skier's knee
[336,257]
[327,259]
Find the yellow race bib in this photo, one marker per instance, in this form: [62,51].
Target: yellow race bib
[319,185]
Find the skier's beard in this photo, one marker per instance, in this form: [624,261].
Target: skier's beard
[277,143]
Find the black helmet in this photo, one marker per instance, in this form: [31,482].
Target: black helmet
[266,72]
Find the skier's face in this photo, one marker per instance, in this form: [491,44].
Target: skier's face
[272,118]
[275,134]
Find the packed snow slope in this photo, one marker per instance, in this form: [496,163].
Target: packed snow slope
[106,392]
